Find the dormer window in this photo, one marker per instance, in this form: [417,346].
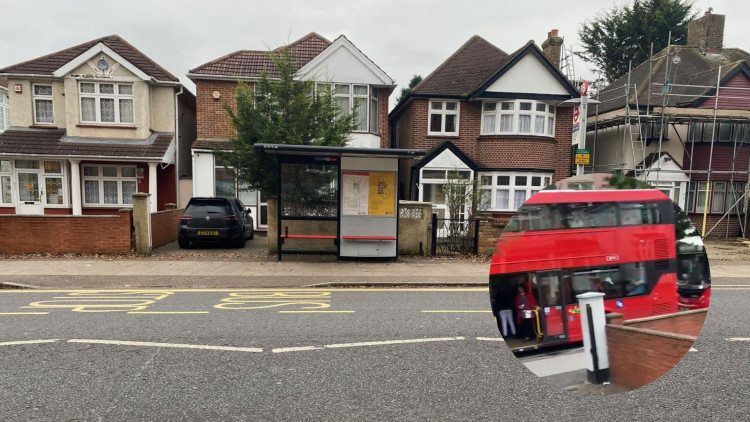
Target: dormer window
[106,102]
[43,109]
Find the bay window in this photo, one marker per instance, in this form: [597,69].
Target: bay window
[721,197]
[502,191]
[106,102]
[109,185]
[362,99]
[517,117]
[5,182]
[4,112]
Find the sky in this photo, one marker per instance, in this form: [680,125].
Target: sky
[404,38]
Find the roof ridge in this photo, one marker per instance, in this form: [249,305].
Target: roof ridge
[157,65]
[303,39]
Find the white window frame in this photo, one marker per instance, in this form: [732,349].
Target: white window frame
[438,182]
[493,187]
[98,97]
[63,193]
[101,179]
[515,113]
[41,97]
[443,111]
[6,181]
[4,111]
[352,97]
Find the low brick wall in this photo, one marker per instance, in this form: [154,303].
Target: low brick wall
[642,350]
[59,234]
[164,226]
[490,227]
[731,222]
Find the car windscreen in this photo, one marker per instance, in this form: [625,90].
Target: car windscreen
[209,207]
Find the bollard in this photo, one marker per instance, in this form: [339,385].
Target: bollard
[593,324]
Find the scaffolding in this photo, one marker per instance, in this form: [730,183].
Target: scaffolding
[634,113]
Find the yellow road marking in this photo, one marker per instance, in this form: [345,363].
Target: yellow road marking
[24,313]
[316,312]
[168,312]
[456,312]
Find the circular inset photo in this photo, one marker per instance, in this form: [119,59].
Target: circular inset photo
[600,284]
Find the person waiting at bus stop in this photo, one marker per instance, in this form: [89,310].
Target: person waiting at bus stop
[525,305]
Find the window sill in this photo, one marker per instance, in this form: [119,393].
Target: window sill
[514,135]
[43,126]
[105,126]
[443,135]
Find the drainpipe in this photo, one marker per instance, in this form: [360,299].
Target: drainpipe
[177,146]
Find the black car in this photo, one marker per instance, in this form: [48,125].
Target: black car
[217,219]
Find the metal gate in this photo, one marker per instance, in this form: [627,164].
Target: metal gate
[454,236]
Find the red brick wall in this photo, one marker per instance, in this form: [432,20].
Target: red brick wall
[721,229]
[213,120]
[164,227]
[642,351]
[533,152]
[383,125]
[66,234]
[688,323]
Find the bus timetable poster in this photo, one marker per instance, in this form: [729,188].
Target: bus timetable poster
[368,193]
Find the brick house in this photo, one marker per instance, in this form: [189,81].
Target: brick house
[671,136]
[89,126]
[358,82]
[491,116]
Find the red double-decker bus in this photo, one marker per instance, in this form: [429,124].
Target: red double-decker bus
[693,273]
[562,243]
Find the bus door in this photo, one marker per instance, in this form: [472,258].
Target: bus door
[552,314]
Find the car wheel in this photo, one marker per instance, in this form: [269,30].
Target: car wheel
[183,244]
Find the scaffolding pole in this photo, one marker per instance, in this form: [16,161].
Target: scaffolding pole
[711,153]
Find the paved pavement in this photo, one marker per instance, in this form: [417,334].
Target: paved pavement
[254,267]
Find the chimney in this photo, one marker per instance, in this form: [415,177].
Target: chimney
[707,33]
[552,47]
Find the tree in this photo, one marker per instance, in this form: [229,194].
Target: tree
[405,91]
[621,35]
[280,111]
[460,192]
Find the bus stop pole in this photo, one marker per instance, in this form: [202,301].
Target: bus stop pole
[593,324]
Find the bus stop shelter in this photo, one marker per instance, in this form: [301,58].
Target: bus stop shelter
[348,196]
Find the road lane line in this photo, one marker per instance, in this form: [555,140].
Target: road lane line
[270,289]
[731,288]
[490,339]
[739,339]
[16,343]
[316,312]
[172,345]
[692,349]
[458,311]
[389,342]
[168,312]
[295,349]
[24,313]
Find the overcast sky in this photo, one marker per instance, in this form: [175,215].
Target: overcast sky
[402,37]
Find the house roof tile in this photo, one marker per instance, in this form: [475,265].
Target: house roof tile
[465,70]
[252,63]
[692,78]
[47,65]
[48,142]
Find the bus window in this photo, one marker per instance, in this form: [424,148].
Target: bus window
[576,216]
[602,215]
[535,217]
[607,280]
[634,274]
[632,214]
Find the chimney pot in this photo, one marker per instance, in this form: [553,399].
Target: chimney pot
[553,33]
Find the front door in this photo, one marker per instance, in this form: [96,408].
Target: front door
[29,193]
[554,323]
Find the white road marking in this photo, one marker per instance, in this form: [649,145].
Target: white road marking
[490,339]
[295,349]
[173,345]
[365,344]
[16,343]
[739,339]
[693,349]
